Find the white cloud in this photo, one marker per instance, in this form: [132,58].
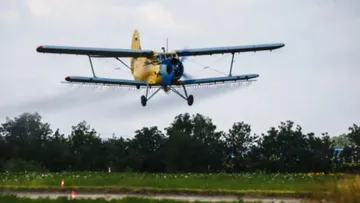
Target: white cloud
[77,12]
[148,15]
[43,8]
[155,13]
[8,17]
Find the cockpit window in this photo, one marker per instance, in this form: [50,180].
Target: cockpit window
[160,57]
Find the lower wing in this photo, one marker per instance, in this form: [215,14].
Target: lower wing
[215,80]
[104,81]
[135,83]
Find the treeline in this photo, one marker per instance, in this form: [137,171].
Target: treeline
[191,143]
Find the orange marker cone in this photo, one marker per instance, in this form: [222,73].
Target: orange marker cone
[62,183]
[73,193]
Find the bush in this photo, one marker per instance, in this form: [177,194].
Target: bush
[19,165]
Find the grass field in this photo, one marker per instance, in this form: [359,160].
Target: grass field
[13,199]
[246,183]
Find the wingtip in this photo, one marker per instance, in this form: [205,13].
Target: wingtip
[39,48]
[254,75]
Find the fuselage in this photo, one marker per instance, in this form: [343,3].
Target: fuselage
[158,71]
[144,70]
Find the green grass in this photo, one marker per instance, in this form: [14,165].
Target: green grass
[246,183]
[14,199]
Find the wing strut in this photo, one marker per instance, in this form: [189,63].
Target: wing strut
[92,68]
[232,61]
[123,63]
[181,95]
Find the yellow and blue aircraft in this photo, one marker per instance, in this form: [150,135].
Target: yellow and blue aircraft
[156,69]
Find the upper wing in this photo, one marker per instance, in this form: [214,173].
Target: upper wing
[231,49]
[94,52]
[215,80]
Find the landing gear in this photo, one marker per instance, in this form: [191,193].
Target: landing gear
[190,100]
[145,98]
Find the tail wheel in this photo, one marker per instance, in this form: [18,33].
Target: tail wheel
[143,100]
[190,100]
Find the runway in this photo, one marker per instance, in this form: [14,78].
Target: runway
[176,197]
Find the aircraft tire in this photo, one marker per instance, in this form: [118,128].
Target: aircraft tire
[190,100]
[143,100]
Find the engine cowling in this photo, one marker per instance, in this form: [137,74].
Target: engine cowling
[165,69]
[171,70]
[178,68]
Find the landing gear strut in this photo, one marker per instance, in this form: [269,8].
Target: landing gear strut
[189,99]
[145,98]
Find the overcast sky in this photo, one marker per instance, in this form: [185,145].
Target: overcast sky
[313,81]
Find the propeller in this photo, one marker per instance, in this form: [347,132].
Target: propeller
[182,60]
[187,76]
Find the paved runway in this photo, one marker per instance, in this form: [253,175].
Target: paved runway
[177,197]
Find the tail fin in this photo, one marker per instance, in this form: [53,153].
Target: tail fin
[135,44]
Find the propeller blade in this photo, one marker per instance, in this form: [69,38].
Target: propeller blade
[182,59]
[187,76]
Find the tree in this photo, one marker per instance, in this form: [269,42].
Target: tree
[86,148]
[340,141]
[191,143]
[115,153]
[354,135]
[25,137]
[148,144]
[57,146]
[239,142]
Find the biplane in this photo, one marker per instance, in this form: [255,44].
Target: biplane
[161,70]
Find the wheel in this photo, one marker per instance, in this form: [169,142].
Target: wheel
[137,86]
[190,100]
[143,100]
